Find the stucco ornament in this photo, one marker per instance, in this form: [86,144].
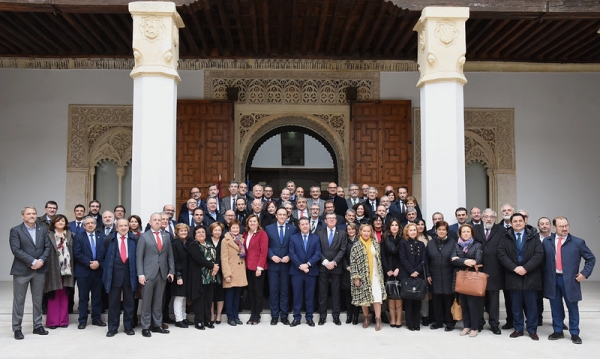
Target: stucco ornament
[152,27]
[446,32]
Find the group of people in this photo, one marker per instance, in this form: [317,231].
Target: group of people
[302,249]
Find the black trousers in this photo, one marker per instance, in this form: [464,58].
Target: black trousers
[324,279]
[441,308]
[255,293]
[508,306]
[114,306]
[472,309]
[492,306]
[412,309]
[202,304]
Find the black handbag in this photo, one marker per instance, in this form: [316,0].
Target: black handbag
[393,288]
[413,288]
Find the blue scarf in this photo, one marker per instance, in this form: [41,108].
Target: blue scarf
[465,245]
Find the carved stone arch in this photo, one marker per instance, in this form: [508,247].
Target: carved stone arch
[478,150]
[113,145]
[332,134]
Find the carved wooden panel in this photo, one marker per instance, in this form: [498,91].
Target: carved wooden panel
[204,146]
[381,144]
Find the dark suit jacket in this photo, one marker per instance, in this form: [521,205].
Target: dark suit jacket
[277,248]
[349,202]
[208,220]
[299,256]
[320,225]
[339,204]
[572,251]
[149,261]
[25,251]
[491,263]
[111,273]
[333,253]
[184,216]
[533,260]
[43,221]
[73,228]
[82,251]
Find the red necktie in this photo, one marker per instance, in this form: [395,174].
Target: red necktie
[559,254]
[123,250]
[158,242]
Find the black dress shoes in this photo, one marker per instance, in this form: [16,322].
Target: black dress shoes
[81,326]
[516,334]
[449,328]
[209,325]
[534,336]
[146,333]
[435,326]
[337,321]
[496,330]
[274,321]
[40,331]
[188,322]
[98,323]
[507,326]
[199,326]
[19,335]
[232,322]
[425,321]
[310,323]
[295,323]
[556,336]
[285,321]
[349,319]
[160,330]
[238,321]
[53,327]
[111,334]
[576,339]
[181,324]
[129,332]
[322,321]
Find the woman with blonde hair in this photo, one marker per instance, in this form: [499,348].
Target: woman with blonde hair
[233,267]
[367,275]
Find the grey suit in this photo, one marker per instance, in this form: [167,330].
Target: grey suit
[226,202]
[350,204]
[310,201]
[26,251]
[155,266]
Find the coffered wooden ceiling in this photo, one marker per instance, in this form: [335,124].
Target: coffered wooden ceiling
[518,31]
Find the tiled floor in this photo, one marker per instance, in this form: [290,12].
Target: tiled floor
[266,341]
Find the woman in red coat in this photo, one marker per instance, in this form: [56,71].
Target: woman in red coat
[257,246]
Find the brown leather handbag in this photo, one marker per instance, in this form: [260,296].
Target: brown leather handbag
[471,283]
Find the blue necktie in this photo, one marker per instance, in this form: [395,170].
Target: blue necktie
[281,234]
[519,240]
[330,237]
[305,242]
[93,246]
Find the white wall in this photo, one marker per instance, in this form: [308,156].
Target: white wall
[34,108]
[315,154]
[556,130]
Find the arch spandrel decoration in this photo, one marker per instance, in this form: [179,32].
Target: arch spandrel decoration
[489,139]
[96,133]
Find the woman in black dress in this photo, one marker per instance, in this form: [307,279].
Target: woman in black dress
[178,286]
[390,260]
[202,271]
[351,310]
[412,258]
[216,233]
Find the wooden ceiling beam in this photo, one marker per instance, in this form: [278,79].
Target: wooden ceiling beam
[83,32]
[11,42]
[347,27]
[565,40]
[81,44]
[306,28]
[482,32]
[583,43]
[252,8]
[265,14]
[489,36]
[21,31]
[189,38]
[281,26]
[527,36]
[403,29]
[408,33]
[101,30]
[552,6]
[56,41]
[240,27]
[591,50]
[363,22]
[386,29]
[321,30]
[541,41]
[503,35]
[292,27]
[512,39]
[332,29]
[195,27]
[212,26]
[367,43]
[226,27]
[125,37]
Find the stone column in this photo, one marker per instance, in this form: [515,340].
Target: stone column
[155,78]
[441,56]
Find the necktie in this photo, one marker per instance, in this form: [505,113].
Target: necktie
[353,201]
[303,214]
[93,245]
[519,239]
[280,234]
[106,231]
[402,207]
[171,229]
[305,242]
[233,199]
[330,237]
[78,224]
[123,250]
[158,241]
[559,254]
[487,233]
[191,219]
[374,209]
[313,224]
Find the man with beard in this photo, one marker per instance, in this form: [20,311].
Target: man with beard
[490,234]
[507,211]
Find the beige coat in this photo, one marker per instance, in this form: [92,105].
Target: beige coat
[231,264]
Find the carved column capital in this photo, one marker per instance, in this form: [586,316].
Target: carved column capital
[442,44]
[155,39]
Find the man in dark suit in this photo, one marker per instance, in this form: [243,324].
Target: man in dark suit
[305,254]
[187,215]
[490,235]
[372,201]
[507,211]
[154,265]
[31,247]
[120,278]
[315,223]
[354,198]
[315,198]
[94,207]
[229,201]
[562,277]
[330,208]
[89,252]
[522,255]
[435,218]
[50,208]
[279,234]
[212,215]
[241,213]
[461,218]
[198,221]
[333,247]
[213,191]
[475,216]
[196,194]
[243,193]
[285,196]
[76,226]
[301,208]
[107,227]
[339,202]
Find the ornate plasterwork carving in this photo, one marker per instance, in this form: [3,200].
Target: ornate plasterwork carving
[152,27]
[287,87]
[446,32]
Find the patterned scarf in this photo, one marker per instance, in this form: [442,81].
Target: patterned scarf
[64,255]
[367,249]
[465,245]
[239,240]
